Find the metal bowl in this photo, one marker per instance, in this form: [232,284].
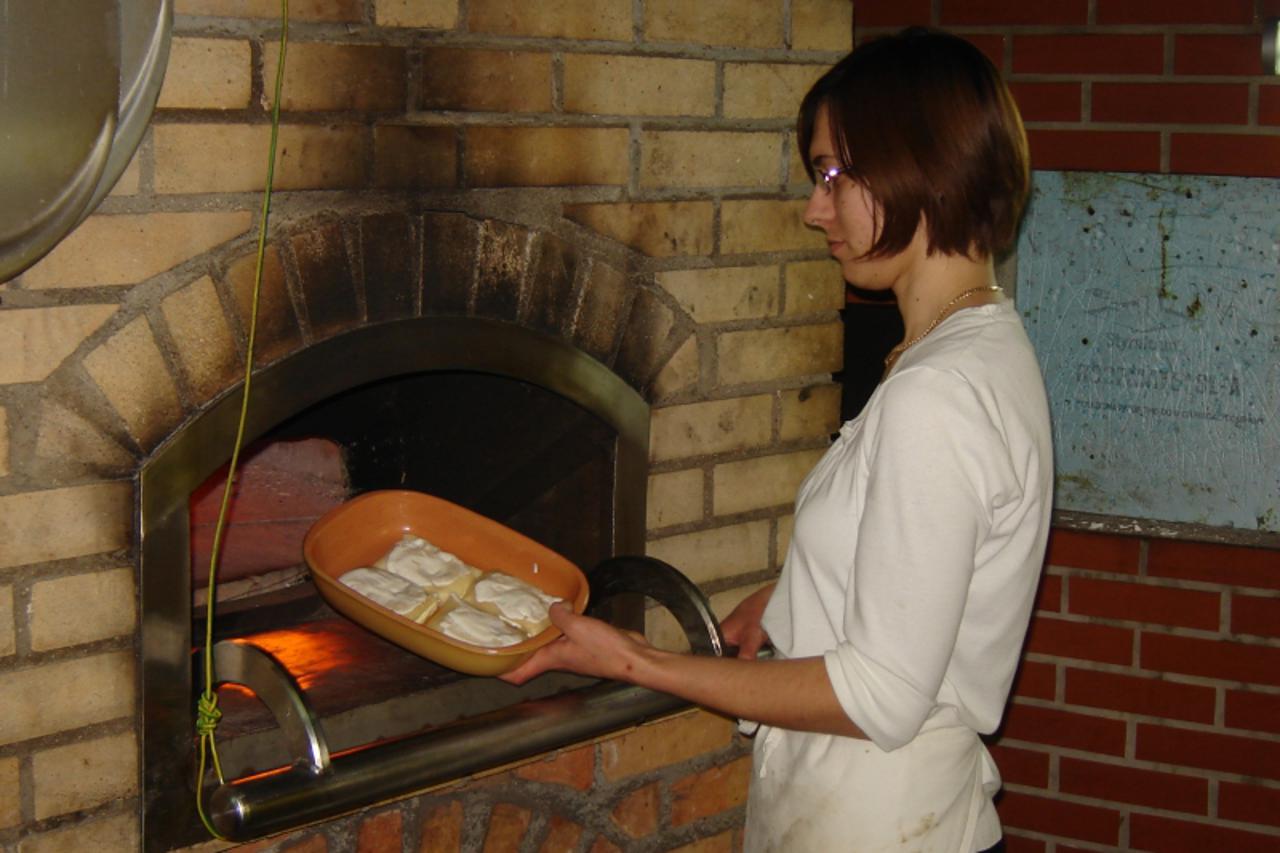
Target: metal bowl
[81,80]
[363,529]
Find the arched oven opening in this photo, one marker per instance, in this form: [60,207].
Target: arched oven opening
[509,422]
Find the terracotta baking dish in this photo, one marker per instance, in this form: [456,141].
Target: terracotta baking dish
[363,529]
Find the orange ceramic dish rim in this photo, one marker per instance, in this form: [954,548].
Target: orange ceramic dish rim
[363,529]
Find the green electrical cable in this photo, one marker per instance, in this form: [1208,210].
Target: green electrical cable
[207,713]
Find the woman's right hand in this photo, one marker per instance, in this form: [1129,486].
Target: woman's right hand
[742,627]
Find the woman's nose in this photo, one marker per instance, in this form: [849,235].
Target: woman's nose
[818,210]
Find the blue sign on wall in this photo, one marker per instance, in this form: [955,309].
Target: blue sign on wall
[1152,301]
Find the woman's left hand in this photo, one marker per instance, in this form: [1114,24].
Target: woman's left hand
[588,647]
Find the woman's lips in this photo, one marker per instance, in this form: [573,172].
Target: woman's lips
[834,245]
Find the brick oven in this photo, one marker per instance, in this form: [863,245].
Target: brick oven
[620,178]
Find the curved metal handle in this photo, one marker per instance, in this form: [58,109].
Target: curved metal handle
[241,662]
[665,585]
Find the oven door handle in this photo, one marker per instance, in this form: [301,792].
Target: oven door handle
[666,585]
[241,662]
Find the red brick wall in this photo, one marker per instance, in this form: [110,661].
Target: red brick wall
[1123,85]
[1146,715]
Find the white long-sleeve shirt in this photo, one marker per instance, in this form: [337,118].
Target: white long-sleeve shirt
[912,571]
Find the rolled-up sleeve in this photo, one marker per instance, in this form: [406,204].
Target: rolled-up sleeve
[926,508]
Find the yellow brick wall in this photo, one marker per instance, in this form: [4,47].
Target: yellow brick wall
[207,74]
[569,19]
[735,23]
[610,84]
[657,134]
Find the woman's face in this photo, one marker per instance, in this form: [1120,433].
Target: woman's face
[848,214]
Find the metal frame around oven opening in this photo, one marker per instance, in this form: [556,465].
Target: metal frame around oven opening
[166,480]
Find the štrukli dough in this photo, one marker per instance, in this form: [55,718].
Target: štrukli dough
[434,587]
[415,559]
[392,592]
[463,621]
[514,600]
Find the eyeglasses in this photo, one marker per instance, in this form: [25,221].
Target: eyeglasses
[826,178]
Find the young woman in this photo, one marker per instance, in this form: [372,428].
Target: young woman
[904,599]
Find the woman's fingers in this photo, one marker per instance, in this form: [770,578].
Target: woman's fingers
[742,627]
[588,647]
[750,644]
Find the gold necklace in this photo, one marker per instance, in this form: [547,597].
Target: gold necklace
[942,315]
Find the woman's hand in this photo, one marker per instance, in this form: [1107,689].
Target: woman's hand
[742,627]
[793,694]
[588,647]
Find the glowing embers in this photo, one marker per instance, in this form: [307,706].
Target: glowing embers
[339,665]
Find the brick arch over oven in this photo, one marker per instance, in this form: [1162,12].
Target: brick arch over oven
[344,274]
[169,355]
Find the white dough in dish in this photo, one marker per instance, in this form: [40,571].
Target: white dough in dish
[417,560]
[392,592]
[465,622]
[514,600]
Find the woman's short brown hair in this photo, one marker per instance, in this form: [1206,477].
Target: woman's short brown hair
[924,121]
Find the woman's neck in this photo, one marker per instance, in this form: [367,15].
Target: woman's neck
[931,286]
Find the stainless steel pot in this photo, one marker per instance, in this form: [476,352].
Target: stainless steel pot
[79,81]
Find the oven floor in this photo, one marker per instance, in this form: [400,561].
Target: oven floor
[362,688]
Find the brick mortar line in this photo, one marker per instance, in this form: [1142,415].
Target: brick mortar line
[637,20]
[1127,807]
[1139,672]
[1080,29]
[658,122]
[1137,718]
[120,558]
[1161,581]
[1123,762]
[786,383]
[720,195]
[295,287]
[128,807]
[289,208]
[70,737]
[1169,630]
[1075,843]
[410,39]
[716,397]
[778,448]
[1240,130]
[717,522]
[293,208]
[728,584]
[766,323]
[1154,78]
[30,661]
[168,343]
[21,483]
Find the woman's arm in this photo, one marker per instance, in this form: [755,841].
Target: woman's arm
[793,694]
